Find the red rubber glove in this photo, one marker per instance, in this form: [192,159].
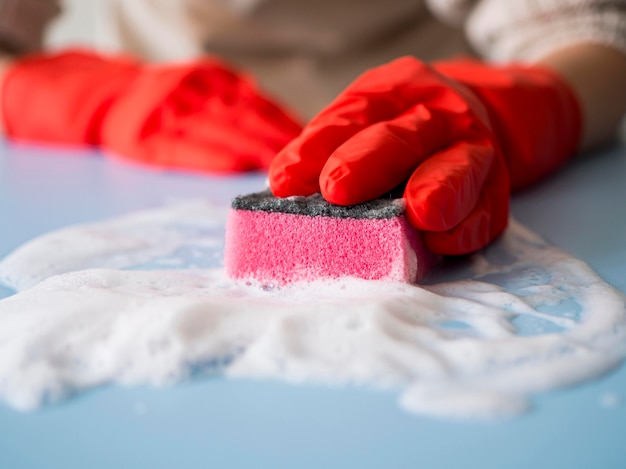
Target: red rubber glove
[460,135]
[199,116]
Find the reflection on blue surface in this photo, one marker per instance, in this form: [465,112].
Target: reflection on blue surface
[455,325]
[520,282]
[568,308]
[186,257]
[528,326]
[517,280]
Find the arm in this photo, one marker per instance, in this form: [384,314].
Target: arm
[158,30]
[583,41]
[22,27]
[597,74]
[23,23]
[540,108]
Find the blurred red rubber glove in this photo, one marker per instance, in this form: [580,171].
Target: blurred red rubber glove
[200,116]
[461,135]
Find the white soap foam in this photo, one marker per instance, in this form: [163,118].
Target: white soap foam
[143,299]
[149,238]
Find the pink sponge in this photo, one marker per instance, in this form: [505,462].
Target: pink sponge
[278,241]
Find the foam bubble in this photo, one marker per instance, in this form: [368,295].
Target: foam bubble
[142,299]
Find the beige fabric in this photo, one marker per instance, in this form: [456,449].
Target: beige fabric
[317,47]
[306,51]
[528,30]
[500,30]
[454,12]
[174,29]
[309,82]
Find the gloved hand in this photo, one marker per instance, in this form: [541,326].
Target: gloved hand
[460,134]
[201,116]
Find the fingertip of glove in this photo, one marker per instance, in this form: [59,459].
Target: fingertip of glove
[283,184]
[459,244]
[277,181]
[336,187]
[427,216]
[470,236]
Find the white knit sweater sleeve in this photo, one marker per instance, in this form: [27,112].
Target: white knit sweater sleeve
[526,30]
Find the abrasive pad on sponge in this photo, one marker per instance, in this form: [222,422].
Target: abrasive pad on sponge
[278,241]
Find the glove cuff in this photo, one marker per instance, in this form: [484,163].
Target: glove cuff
[534,113]
[62,98]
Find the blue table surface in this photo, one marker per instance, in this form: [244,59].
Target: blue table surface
[233,423]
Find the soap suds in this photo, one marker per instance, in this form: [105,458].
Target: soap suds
[142,299]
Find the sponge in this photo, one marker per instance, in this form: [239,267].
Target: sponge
[282,240]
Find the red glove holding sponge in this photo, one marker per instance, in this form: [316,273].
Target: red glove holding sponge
[198,116]
[460,134]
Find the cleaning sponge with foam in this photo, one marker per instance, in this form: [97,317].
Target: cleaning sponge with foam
[278,241]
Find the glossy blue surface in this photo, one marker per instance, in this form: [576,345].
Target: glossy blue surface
[222,423]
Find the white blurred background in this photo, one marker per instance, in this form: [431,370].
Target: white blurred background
[77,24]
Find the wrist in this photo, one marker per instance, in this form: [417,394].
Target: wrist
[534,113]
[596,74]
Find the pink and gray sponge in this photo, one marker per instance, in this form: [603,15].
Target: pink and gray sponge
[278,241]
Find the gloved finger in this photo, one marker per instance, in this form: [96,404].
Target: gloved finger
[382,156]
[170,92]
[296,169]
[235,137]
[444,189]
[270,127]
[221,149]
[380,94]
[261,119]
[237,103]
[221,89]
[188,129]
[239,127]
[203,79]
[487,220]
[265,119]
[218,94]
